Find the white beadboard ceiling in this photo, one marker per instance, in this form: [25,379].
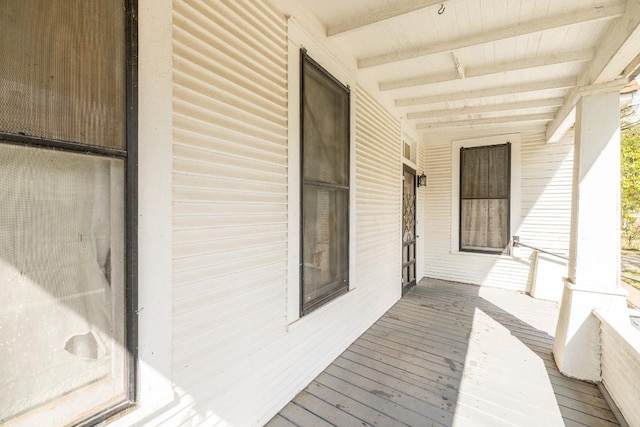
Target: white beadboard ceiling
[482,64]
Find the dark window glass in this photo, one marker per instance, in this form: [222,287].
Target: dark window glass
[485,198]
[325,186]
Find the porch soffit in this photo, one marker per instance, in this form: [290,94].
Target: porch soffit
[453,64]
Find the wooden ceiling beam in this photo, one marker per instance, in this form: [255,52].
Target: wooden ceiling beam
[523,64]
[617,48]
[485,130]
[614,54]
[495,108]
[632,68]
[543,117]
[488,92]
[389,11]
[460,68]
[594,13]
[565,118]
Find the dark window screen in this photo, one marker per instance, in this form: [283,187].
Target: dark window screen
[67,191]
[484,198]
[325,186]
[62,71]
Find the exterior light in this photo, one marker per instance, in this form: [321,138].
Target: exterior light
[421,180]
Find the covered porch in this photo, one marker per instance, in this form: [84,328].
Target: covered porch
[292,168]
[452,354]
[425,80]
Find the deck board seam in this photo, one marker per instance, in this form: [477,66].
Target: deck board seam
[418,356]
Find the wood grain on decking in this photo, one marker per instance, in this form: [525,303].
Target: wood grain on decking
[451,354]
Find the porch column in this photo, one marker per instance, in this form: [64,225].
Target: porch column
[594,257]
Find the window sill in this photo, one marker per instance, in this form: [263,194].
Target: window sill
[334,304]
[481,254]
[138,413]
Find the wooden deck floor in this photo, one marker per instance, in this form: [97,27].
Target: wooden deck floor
[451,354]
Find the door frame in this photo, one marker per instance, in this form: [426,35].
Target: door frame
[409,284]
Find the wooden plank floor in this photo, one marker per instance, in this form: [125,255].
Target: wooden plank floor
[451,354]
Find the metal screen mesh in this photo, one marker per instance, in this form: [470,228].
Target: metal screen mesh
[62,72]
[484,194]
[325,187]
[61,270]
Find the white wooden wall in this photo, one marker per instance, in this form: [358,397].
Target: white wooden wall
[229,186]
[620,358]
[236,357]
[545,194]
[421,216]
[379,197]
[547,173]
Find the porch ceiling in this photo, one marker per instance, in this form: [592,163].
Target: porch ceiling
[486,64]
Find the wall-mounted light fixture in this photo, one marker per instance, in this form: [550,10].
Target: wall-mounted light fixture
[421,180]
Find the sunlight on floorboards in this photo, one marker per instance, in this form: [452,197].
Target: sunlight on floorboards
[450,354]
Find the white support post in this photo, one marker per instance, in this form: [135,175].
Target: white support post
[594,259]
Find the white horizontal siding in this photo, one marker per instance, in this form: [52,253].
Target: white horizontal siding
[421,206]
[274,375]
[547,174]
[235,359]
[545,213]
[229,190]
[378,199]
[621,366]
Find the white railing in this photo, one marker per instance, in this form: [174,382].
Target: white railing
[548,271]
[620,364]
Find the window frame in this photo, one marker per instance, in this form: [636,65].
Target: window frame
[305,310]
[130,157]
[515,219]
[508,198]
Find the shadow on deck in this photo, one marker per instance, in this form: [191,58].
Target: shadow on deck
[451,354]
